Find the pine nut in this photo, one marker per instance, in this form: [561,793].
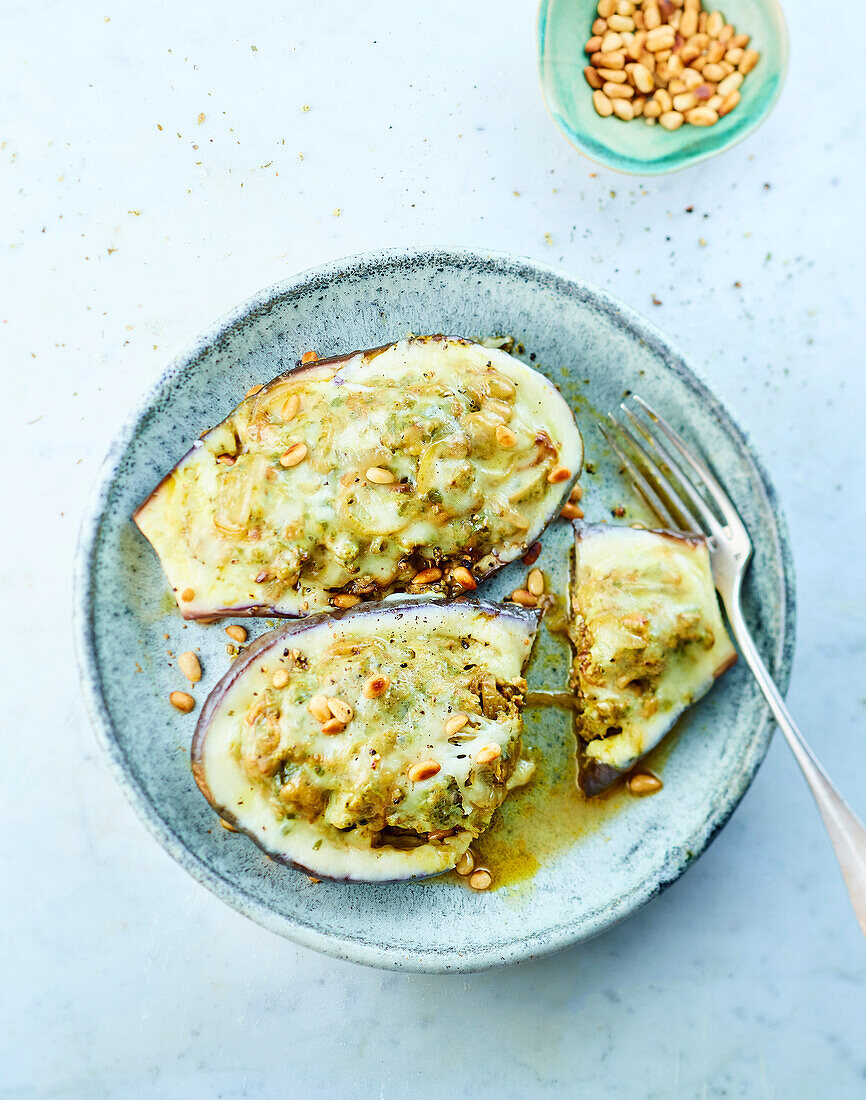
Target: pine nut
[227,825]
[715,22]
[535,583]
[615,76]
[189,665]
[639,20]
[625,7]
[236,633]
[280,678]
[226,460]
[466,864]
[726,33]
[611,42]
[615,60]
[182,701]
[574,511]
[714,102]
[617,91]
[606,8]
[664,100]
[427,576]
[187,595]
[635,47]
[376,686]
[642,783]
[254,390]
[344,600]
[341,710]
[291,406]
[294,455]
[641,77]
[740,41]
[651,17]
[464,578]
[455,724]
[702,23]
[599,27]
[318,707]
[576,493]
[702,116]
[688,24]
[715,52]
[481,879]
[532,554]
[505,437]
[522,597]
[592,77]
[652,111]
[671,120]
[658,44]
[620,23]
[691,78]
[488,754]
[379,476]
[703,92]
[728,103]
[685,102]
[730,84]
[560,473]
[332,726]
[735,56]
[713,73]
[677,87]
[749,60]
[426,770]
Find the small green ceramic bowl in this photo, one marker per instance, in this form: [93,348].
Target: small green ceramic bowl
[563,29]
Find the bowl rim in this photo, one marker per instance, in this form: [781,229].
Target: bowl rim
[634,166]
[451,960]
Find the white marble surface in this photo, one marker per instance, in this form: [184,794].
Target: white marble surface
[120,975]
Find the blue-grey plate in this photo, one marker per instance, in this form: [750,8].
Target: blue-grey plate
[569,872]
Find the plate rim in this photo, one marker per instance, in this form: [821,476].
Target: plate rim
[450,960]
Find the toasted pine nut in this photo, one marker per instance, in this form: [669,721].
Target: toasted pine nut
[703,92]
[574,511]
[455,724]
[731,83]
[688,24]
[309,357]
[624,109]
[739,41]
[702,116]
[617,91]
[606,8]
[624,7]
[332,726]
[599,27]
[644,783]
[652,111]
[535,583]
[715,52]
[592,77]
[662,38]
[559,473]
[345,600]
[427,576]
[749,60]
[611,42]
[318,707]
[671,120]
[702,23]
[280,678]
[189,666]
[488,754]
[532,554]
[227,825]
[726,33]
[691,78]
[677,87]
[735,56]
[728,103]
[642,77]
[651,17]
[576,493]
[236,633]
[635,48]
[187,595]
[593,45]
[376,686]
[505,437]
[524,598]
[685,102]
[714,102]
[481,879]
[715,22]
[663,99]
[464,578]
[182,701]
[341,710]
[254,390]
[609,60]
[294,455]
[613,76]
[290,407]
[688,54]
[226,460]
[425,770]
[379,476]
[466,864]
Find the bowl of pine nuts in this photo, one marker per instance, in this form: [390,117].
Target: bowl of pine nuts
[653,86]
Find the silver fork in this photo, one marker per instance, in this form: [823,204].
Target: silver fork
[685,495]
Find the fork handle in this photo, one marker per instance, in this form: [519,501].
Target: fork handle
[847,832]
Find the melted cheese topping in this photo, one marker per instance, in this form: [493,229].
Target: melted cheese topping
[354,475]
[349,803]
[648,635]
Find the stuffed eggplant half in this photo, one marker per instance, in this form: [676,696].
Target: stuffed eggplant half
[374,744]
[421,466]
[648,641]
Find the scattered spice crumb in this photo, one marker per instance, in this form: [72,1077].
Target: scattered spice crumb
[201,118]
[305,107]
[656,301]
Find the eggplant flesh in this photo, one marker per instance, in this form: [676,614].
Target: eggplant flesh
[351,803]
[349,476]
[648,640]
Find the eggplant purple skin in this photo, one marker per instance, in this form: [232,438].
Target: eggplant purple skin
[527,617]
[250,611]
[593,776]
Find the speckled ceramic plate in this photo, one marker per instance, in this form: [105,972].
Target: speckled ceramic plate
[567,870]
